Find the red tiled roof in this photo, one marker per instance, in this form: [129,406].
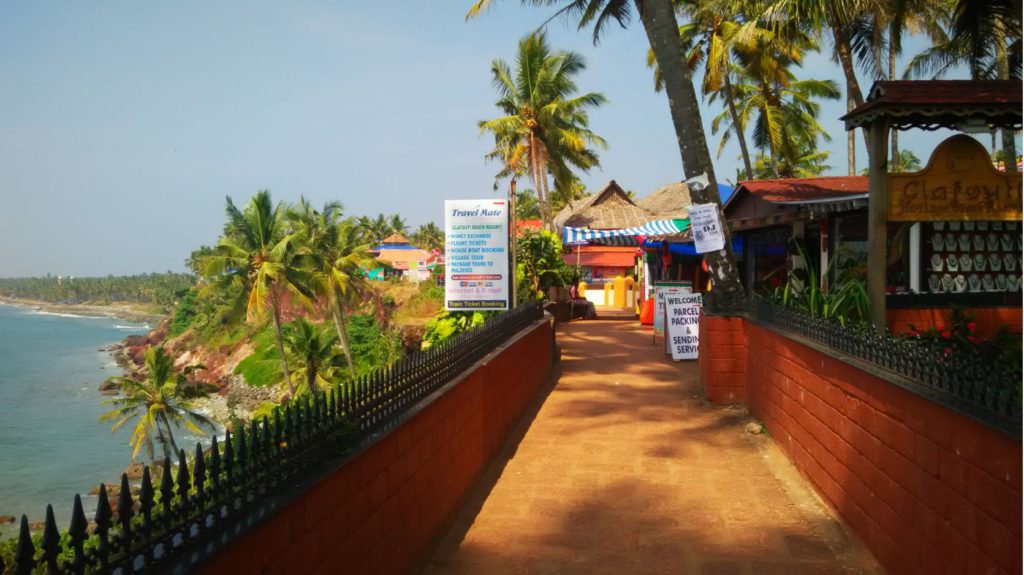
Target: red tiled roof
[805,189]
[393,257]
[532,224]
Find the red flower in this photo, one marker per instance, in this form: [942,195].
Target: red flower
[948,351]
[971,325]
[946,334]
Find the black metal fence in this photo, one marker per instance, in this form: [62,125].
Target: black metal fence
[154,525]
[966,381]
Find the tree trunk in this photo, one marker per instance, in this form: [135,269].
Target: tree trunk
[280,341]
[662,30]
[539,175]
[514,275]
[739,129]
[853,93]
[338,315]
[1003,71]
[895,165]
[168,441]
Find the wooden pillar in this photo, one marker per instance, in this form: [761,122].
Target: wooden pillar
[878,216]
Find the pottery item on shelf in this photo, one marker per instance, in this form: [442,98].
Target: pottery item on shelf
[933,284]
[960,283]
[982,226]
[997,226]
[979,262]
[950,241]
[974,282]
[995,263]
[969,226]
[1006,242]
[1009,263]
[937,242]
[992,242]
[936,263]
[1013,283]
[952,263]
[1001,282]
[965,242]
[965,262]
[954,226]
[979,242]
[988,283]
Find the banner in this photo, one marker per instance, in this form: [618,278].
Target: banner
[683,313]
[476,255]
[705,228]
[660,292]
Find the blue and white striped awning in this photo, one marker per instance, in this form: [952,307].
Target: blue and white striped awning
[656,228]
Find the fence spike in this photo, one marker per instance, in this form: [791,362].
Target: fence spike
[199,475]
[103,522]
[229,457]
[254,445]
[51,541]
[266,443]
[215,464]
[25,552]
[78,531]
[243,452]
[332,407]
[166,488]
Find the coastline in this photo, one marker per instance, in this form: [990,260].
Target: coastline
[135,313]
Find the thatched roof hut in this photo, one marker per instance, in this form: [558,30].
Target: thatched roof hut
[608,209]
[668,202]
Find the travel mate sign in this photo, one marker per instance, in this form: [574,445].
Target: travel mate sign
[958,184]
[476,255]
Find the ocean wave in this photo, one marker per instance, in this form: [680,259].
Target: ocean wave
[60,314]
[144,326]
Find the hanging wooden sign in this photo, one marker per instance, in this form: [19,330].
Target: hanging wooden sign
[959,183]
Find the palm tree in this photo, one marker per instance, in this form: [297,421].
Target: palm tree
[312,352]
[526,205]
[255,256]
[374,230]
[659,22]
[429,237]
[160,401]
[985,35]
[334,254]
[713,32]
[543,122]
[397,224]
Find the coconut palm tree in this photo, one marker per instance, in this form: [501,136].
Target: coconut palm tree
[659,22]
[714,30]
[374,230]
[543,122]
[159,402]
[429,237]
[255,257]
[397,224]
[334,256]
[311,351]
[984,35]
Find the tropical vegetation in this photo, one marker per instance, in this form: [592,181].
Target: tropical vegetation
[160,289]
[544,129]
[160,402]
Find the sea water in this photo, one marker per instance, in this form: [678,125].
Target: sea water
[52,444]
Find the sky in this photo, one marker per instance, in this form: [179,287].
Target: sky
[125,124]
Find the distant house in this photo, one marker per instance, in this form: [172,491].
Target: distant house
[398,256]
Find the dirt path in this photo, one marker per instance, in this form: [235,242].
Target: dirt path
[624,469]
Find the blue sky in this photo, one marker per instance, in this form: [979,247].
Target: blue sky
[125,124]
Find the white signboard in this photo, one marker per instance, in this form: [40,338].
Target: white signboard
[660,292]
[476,255]
[683,313]
[705,228]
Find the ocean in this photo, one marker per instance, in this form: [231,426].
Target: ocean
[52,444]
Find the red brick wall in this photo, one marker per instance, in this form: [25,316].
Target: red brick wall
[927,489]
[988,320]
[722,358]
[380,511]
